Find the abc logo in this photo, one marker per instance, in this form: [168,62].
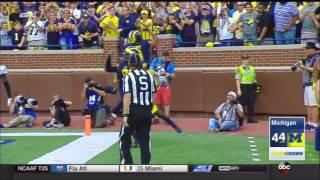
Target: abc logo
[284,167]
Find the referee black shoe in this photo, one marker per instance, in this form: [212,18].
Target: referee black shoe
[179,130]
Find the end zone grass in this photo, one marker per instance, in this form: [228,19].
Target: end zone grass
[202,148]
[25,149]
[167,148]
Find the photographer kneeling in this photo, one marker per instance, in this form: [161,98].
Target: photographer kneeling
[59,112]
[93,93]
[227,115]
[25,109]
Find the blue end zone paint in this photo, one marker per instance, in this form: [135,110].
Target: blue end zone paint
[6,141]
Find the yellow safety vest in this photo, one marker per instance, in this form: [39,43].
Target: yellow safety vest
[248,76]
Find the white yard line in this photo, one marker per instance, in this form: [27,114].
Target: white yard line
[79,151]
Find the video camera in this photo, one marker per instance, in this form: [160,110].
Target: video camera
[107,89]
[296,65]
[22,101]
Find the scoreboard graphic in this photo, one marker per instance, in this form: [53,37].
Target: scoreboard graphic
[286,138]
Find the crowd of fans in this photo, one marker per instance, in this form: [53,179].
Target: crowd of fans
[74,25]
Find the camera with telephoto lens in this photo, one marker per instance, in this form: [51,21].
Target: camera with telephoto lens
[22,101]
[296,65]
[107,89]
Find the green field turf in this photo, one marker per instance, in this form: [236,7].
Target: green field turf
[202,148]
[167,148]
[25,149]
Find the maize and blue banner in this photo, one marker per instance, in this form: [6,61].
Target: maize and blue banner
[286,138]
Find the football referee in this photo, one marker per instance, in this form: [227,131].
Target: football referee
[139,90]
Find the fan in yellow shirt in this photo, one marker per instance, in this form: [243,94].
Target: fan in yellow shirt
[101,7]
[144,26]
[110,24]
[174,6]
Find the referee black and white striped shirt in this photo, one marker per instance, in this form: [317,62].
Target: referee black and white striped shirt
[141,85]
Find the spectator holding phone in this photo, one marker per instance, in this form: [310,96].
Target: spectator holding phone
[225,35]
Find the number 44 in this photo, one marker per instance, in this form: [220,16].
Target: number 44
[276,137]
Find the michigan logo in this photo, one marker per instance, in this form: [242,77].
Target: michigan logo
[296,139]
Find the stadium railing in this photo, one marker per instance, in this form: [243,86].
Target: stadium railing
[224,43]
[240,42]
[47,47]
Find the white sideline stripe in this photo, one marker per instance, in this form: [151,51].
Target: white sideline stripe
[254,149]
[42,134]
[255,154]
[251,141]
[250,137]
[79,151]
[255,159]
[253,145]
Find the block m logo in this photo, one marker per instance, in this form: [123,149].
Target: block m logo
[295,140]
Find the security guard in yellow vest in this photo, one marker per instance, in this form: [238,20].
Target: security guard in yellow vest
[246,86]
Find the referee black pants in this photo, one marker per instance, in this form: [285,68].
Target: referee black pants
[248,99]
[139,121]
